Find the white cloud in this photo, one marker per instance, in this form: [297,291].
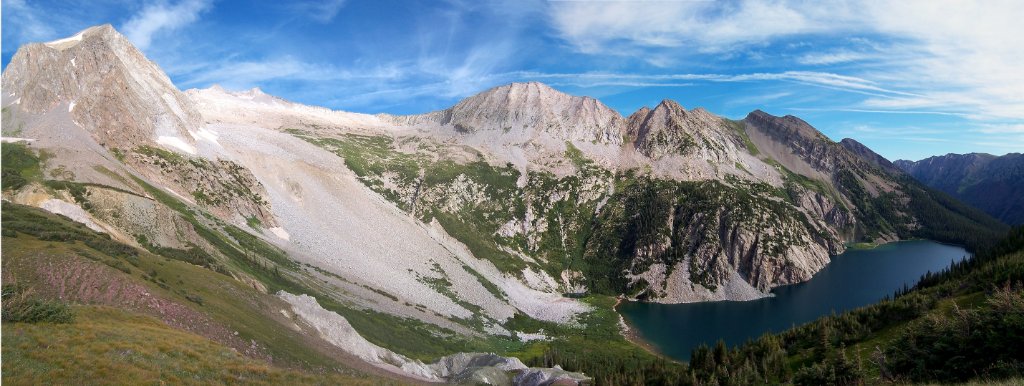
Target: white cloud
[821,79]
[944,53]
[249,73]
[826,58]
[442,58]
[321,11]
[1001,129]
[28,23]
[710,26]
[160,17]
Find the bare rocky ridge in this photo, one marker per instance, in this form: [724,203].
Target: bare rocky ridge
[256,107]
[524,111]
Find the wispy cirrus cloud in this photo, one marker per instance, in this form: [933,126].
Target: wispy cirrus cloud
[834,57]
[944,52]
[815,78]
[707,26]
[319,11]
[156,18]
[28,23]
[855,110]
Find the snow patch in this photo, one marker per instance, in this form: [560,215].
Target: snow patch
[176,143]
[71,106]
[66,42]
[280,233]
[183,198]
[204,134]
[526,337]
[73,62]
[17,101]
[71,211]
[15,139]
[336,330]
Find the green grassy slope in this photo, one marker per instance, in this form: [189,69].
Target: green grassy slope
[56,261]
[106,345]
[207,276]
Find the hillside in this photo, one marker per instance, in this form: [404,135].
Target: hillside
[992,184]
[66,284]
[962,324]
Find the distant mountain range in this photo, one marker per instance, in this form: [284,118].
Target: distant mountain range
[990,183]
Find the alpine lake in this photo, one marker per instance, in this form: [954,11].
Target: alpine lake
[856,278]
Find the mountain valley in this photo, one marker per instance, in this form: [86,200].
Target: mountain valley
[486,242]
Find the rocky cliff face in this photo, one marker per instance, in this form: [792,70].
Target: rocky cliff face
[670,129]
[990,183]
[131,114]
[107,85]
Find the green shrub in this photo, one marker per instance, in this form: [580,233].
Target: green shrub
[20,165]
[19,306]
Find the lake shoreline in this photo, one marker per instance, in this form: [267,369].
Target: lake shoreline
[631,334]
[841,286]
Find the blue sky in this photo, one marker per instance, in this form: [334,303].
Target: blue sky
[909,79]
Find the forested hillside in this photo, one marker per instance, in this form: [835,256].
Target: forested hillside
[962,324]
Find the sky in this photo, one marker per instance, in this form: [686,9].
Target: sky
[910,79]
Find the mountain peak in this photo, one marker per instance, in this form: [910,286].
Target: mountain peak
[112,90]
[670,129]
[105,31]
[531,85]
[536,93]
[671,105]
[525,110]
[868,155]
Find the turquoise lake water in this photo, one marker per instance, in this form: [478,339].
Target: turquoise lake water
[854,279]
